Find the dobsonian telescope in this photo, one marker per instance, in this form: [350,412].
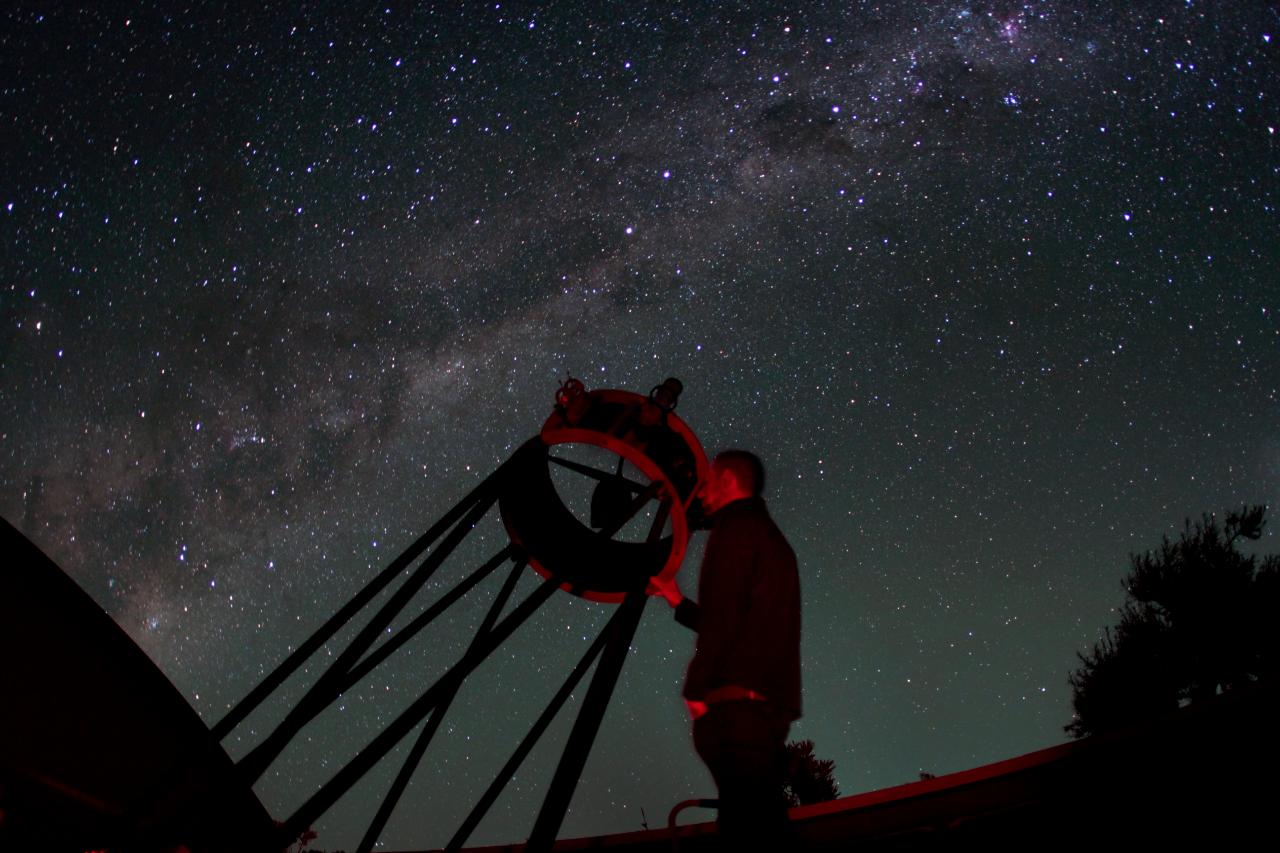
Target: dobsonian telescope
[98,751]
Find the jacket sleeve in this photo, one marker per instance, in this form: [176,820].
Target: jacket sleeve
[723,593]
[688,613]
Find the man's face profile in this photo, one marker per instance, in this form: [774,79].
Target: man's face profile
[719,488]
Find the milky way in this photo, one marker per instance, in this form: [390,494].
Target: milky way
[991,287]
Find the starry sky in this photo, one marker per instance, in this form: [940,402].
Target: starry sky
[991,287]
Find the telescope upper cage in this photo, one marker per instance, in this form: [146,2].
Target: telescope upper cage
[647,434]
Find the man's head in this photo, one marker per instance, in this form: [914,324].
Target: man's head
[735,474]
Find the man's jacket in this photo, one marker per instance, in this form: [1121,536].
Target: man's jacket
[748,611]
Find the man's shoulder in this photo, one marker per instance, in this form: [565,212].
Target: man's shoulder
[742,511]
[748,520]
[744,520]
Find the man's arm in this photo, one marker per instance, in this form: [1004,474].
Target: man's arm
[688,613]
[724,589]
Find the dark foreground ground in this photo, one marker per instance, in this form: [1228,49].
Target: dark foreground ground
[1204,774]
[97,750]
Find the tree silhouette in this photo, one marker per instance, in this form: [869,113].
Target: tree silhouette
[808,778]
[1197,620]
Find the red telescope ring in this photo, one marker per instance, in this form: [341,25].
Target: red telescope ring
[655,442]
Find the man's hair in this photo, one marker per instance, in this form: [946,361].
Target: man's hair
[746,466]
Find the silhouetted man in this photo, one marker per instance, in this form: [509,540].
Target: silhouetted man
[743,684]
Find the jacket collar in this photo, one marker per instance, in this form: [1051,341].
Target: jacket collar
[754,503]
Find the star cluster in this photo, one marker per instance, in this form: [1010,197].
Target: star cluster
[991,287]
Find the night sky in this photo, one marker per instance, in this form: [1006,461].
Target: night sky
[991,287]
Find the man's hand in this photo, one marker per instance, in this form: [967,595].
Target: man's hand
[667,588]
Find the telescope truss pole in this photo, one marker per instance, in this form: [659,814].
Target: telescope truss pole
[361,656]
[582,737]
